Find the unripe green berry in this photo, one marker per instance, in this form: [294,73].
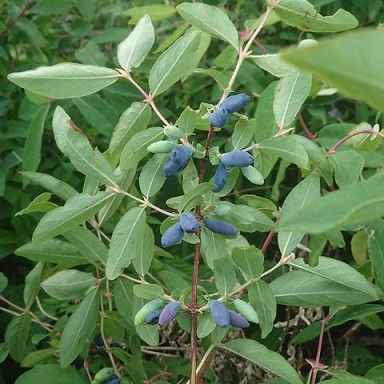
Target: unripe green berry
[162,146]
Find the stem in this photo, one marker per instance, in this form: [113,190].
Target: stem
[308,134]
[148,97]
[344,139]
[46,314]
[267,241]
[205,363]
[244,53]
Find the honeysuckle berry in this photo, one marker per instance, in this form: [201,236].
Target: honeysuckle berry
[170,168]
[221,227]
[103,375]
[221,177]
[181,154]
[162,146]
[169,313]
[172,132]
[237,158]
[153,317]
[189,222]
[219,313]
[115,380]
[146,309]
[172,235]
[246,310]
[237,320]
[218,118]
[233,103]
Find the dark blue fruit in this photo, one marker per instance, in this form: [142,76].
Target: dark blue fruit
[221,227]
[218,118]
[233,103]
[189,222]
[172,235]
[170,168]
[237,320]
[115,380]
[237,159]
[219,313]
[169,312]
[181,154]
[153,317]
[221,177]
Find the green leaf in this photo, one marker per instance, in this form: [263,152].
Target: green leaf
[145,251]
[187,121]
[305,192]
[286,148]
[205,324]
[74,144]
[136,148]
[148,291]
[171,66]
[58,187]
[32,284]
[210,19]
[376,250]
[99,113]
[132,51]
[123,297]
[273,64]
[249,260]
[252,174]
[213,246]
[263,357]
[133,119]
[17,335]
[151,177]
[32,147]
[191,198]
[68,285]
[243,133]
[3,281]
[76,210]
[331,282]
[156,12]
[89,245]
[224,275]
[127,237]
[220,78]
[79,328]
[262,300]
[40,203]
[353,204]
[91,54]
[37,357]
[65,80]
[46,373]
[348,167]
[148,333]
[335,62]
[303,15]
[52,251]
[290,94]
[376,373]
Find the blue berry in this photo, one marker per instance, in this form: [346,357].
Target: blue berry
[170,168]
[221,227]
[181,154]
[237,320]
[189,222]
[221,177]
[153,317]
[237,159]
[219,313]
[233,103]
[172,236]
[169,313]
[218,118]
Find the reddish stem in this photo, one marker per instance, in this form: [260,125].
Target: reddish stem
[267,241]
[344,139]
[308,134]
[204,368]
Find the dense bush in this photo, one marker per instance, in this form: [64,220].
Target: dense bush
[184,199]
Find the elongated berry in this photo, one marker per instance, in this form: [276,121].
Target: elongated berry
[221,177]
[245,309]
[237,320]
[221,227]
[173,132]
[219,313]
[162,146]
[189,222]
[237,159]
[181,154]
[146,309]
[153,317]
[233,103]
[169,312]
[103,375]
[172,235]
[170,168]
[218,118]
[115,380]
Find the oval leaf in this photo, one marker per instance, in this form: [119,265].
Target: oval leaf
[65,80]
